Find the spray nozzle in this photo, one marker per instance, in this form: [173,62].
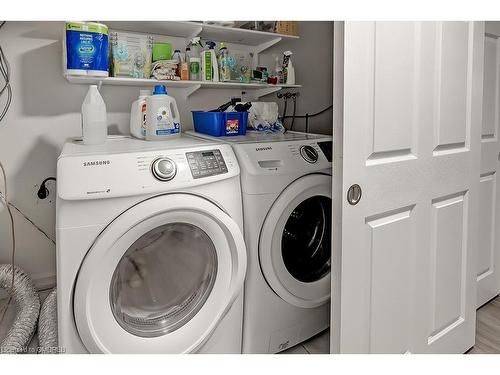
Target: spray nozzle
[210,44]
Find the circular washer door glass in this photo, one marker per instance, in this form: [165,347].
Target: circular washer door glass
[163,279]
[306,239]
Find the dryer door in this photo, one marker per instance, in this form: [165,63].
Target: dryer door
[160,277]
[295,242]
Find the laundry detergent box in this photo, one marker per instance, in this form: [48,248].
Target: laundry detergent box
[86,49]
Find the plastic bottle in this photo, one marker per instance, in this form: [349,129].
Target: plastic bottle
[290,73]
[178,58]
[194,59]
[222,60]
[189,55]
[162,116]
[209,66]
[194,68]
[278,70]
[94,121]
[138,115]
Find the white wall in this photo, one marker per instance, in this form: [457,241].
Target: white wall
[45,111]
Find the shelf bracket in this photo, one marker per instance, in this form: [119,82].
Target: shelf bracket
[262,47]
[188,91]
[264,91]
[197,31]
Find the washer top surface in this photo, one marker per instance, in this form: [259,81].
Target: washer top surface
[121,144]
[253,136]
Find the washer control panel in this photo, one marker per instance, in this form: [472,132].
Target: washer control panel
[206,163]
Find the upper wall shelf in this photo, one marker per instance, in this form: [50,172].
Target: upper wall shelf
[189,30]
[189,87]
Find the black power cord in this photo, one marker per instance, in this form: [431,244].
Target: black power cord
[43,192]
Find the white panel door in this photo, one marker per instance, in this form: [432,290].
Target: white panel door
[487,270]
[412,120]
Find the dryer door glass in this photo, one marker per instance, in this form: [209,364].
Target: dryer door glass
[306,239]
[163,279]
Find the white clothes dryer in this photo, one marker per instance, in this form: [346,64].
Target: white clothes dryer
[286,181]
[150,252]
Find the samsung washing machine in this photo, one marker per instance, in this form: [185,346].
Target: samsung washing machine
[150,252]
[286,182]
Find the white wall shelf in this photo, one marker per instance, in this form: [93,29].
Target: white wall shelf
[191,29]
[258,89]
[257,41]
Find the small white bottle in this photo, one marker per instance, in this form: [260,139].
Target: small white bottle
[290,73]
[138,115]
[162,116]
[94,121]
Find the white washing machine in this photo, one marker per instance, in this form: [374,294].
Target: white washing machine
[150,252]
[286,181]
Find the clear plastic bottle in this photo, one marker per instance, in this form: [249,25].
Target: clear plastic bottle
[94,119]
[178,58]
[278,70]
[222,60]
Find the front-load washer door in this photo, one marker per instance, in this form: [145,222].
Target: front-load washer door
[295,242]
[160,277]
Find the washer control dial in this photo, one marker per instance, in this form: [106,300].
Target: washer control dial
[309,154]
[164,169]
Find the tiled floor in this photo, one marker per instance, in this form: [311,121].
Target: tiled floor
[488,329]
[487,332]
[319,344]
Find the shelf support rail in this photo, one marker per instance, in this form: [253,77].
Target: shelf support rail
[261,48]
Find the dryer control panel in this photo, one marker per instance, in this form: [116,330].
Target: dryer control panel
[206,163]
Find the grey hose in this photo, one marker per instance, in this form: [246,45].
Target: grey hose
[47,325]
[28,306]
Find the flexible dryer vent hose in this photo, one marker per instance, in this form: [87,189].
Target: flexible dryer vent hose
[28,306]
[47,325]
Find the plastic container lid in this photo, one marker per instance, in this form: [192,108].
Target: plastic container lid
[160,90]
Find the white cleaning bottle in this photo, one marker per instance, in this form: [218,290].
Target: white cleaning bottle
[209,66]
[138,115]
[162,116]
[290,73]
[94,122]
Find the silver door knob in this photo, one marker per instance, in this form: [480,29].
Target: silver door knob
[354,194]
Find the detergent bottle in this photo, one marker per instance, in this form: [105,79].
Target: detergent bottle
[162,116]
[138,115]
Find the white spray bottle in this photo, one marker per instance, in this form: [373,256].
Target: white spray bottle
[209,66]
